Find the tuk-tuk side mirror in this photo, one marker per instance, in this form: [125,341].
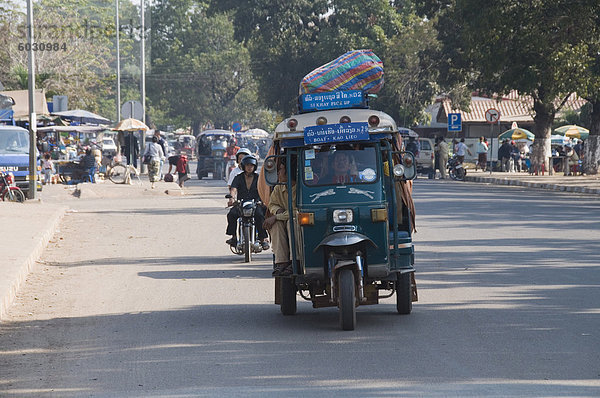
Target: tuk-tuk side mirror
[270,168]
[407,168]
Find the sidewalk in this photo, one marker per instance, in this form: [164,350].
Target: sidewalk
[27,228]
[579,184]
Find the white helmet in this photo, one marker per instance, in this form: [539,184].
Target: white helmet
[245,151]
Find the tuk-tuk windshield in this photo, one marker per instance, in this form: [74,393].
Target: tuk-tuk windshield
[340,165]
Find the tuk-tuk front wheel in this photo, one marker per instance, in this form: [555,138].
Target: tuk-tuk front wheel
[404,294]
[347,299]
[288,304]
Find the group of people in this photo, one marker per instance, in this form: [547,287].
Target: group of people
[572,151]
[154,157]
[512,157]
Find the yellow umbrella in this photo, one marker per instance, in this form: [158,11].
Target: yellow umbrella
[573,131]
[131,125]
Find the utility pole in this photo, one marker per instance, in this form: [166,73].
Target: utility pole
[143,80]
[32,118]
[118,62]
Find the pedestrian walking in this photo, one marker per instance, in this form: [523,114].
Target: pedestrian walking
[182,169]
[161,141]
[153,154]
[48,167]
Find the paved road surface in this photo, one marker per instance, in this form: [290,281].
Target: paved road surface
[139,296]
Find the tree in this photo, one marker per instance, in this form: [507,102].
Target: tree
[289,39]
[198,67]
[496,47]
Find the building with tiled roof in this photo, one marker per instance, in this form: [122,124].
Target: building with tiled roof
[512,107]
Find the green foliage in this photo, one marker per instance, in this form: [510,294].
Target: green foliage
[287,40]
[200,73]
[496,47]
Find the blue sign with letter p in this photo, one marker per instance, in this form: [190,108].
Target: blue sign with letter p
[454,122]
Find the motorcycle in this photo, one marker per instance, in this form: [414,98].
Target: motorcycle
[8,190]
[456,169]
[247,235]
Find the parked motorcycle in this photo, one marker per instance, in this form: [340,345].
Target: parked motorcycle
[456,169]
[247,235]
[8,190]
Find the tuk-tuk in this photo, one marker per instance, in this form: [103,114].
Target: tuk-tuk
[186,143]
[351,233]
[211,152]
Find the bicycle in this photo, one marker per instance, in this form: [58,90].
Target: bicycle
[121,173]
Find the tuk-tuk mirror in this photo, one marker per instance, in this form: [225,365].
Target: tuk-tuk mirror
[270,167]
[406,169]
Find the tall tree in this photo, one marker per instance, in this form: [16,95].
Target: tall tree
[288,40]
[198,67]
[499,46]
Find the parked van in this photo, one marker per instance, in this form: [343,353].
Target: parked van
[426,156]
[14,155]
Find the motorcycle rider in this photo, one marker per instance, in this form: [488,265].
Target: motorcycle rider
[241,153]
[245,187]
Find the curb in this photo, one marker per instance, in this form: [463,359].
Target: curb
[540,185]
[27,265]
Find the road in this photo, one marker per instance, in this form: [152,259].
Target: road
[138,296]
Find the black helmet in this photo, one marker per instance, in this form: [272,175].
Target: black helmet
[249,160]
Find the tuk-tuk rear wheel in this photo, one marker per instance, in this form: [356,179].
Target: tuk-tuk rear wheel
[288,304]
[347,299]
[404,294]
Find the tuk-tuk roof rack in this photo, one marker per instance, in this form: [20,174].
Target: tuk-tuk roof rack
[293,127]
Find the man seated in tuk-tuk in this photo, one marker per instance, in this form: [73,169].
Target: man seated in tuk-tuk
[277,223]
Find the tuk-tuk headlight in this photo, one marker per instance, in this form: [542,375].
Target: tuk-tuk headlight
[398,170]
[342,216]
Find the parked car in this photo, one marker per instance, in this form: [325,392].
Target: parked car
[426,156]
[108,146]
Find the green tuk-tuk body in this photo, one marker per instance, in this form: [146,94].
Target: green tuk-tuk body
[350,234]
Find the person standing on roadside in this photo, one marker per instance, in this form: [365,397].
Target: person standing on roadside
[443,150]
[154,151]
[504,155]
[482,150]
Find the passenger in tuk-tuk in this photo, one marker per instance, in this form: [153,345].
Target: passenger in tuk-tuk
[277,223]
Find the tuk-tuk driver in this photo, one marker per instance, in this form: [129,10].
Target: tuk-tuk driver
[277,223]
[245,187]
[342,168]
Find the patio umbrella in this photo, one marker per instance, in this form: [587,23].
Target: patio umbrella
[130,125]
[82,116]
[517,134]
[573,131]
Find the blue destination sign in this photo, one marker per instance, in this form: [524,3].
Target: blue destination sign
[332,100]
[338,132]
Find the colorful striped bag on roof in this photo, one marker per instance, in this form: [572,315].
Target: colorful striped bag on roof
[355,70]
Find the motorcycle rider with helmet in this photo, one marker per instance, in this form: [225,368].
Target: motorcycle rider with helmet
[241,153]
[245,187]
